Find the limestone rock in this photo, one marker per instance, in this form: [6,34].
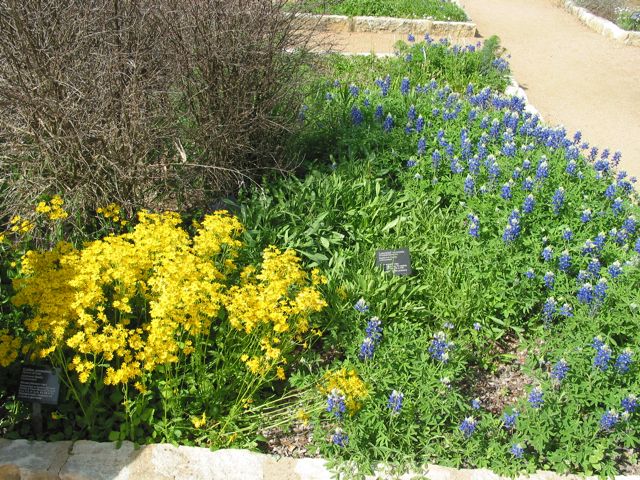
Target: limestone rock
[32,460]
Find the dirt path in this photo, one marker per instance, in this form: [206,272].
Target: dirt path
[572,75]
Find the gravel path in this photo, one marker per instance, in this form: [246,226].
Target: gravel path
[571,74]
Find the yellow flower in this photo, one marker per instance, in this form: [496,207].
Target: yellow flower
[280,373]
[199,421]
[349,384]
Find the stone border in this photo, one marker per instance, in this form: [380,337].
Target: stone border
[343,23]
[599,24]
[86,460]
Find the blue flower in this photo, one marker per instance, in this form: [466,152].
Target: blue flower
[517,450]
[589,247]
[411,163]
[630,225]
[405,86]
[549,309]
[469,185]
[586,215]
[354,91]
[547,253]
[615,269]
[600,290]
[558,200]
[374,329]
[560,370]
[436,157]
[624,361]
[477,326]
[585,293]
[468,426]
[617,206]
[526,164]
[594,267]
[567,234]
[572,168]
[637,246]
[340,438]
[542,171]
[529,204]
[411,114]
[597,342]
[474,225]
[564,262]
[422,146]
[549,280]
[395,401]
[610,192]
[336,403]
[536,398]
[493,169]
[388,123]
[439,348]
[599,240]
[411,38]
[566,310]
[367,349]
[602,358]
[379,113]
[527,184]
[476,404]
[361,306]
[420,124]
[530,274]
[629,403]
[609,420]
[356,116]
[506,190]
[511,231]
[509,420]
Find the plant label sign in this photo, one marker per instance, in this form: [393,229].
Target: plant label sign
[397,262]
[39,384]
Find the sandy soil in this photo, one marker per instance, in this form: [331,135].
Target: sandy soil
[572,75]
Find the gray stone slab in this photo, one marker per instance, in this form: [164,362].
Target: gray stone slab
[33,460]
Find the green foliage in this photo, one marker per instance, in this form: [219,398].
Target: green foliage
[435,9]
[375,189]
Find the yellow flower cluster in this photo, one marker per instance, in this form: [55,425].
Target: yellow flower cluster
[112,212]
[129,301]
[274,303]
[20,225]
[53,208]
[134,301]
[349,384]
[9,348]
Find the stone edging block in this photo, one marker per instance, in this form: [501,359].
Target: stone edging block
[86,460]
[601,25]
[342,23]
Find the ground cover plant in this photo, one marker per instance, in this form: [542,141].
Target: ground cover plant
[512,346]
[444,10]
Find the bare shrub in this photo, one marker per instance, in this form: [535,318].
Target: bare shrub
[145,103]
[239,95]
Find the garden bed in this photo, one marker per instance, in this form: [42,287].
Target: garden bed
[443,10]
[511,344]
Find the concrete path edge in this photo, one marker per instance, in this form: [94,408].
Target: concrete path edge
[86,460]
[601,25]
